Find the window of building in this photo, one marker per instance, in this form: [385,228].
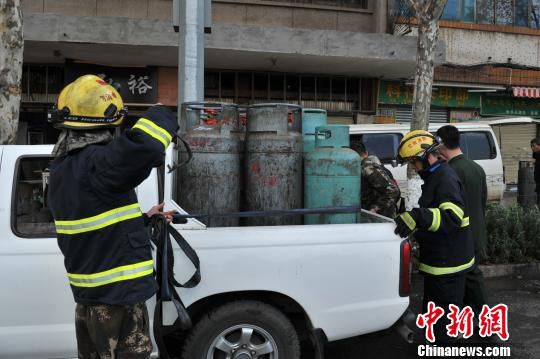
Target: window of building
[211,84]
[353,4]
[323,89]
[485,11]
[324,2]
[260,86]
[228,85]
[308,88]
[368,90]
[451,11]
[477,145]
[383,145]
[336,94]
[338,89]
[459,10]
[504,12]
[358,4]
[521,17]
[467,10]
[292,90]
[501,12]
[244,88]
[353,87]
[30,216]
[277,87]
[41,83]
[535,14]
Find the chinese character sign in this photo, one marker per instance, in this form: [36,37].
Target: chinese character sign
[138,84]
[398,93]
[501,105]
[135,84]
[491,321]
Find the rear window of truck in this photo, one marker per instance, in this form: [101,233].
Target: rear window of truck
[478,145]
[383,145]
[30,216]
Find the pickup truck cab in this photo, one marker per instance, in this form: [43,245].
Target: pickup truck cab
[266,289]
[478,142]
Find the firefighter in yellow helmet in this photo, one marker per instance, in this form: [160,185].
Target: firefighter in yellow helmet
[440,224]
[100,227]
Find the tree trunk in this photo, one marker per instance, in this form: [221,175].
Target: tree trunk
[427,14]
[423,79]
[11,59]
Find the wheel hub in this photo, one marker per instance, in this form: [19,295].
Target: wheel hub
[242,355]
[244,341]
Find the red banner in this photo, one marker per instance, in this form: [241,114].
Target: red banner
[529,92]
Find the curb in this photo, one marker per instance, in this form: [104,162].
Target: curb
[501,270]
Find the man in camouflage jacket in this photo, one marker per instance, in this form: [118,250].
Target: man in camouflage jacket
[380,192]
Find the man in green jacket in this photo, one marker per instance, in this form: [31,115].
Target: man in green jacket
[473,178]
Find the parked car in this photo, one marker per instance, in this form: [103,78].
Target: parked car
[274,285]
[478,142]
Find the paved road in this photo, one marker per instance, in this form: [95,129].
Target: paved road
[521,294]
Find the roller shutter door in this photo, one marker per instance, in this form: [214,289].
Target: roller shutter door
[514,141]
[404,114]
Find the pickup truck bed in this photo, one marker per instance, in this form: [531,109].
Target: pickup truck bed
[341,280]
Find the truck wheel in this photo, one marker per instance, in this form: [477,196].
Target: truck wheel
[242,330]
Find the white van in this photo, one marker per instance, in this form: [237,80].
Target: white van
[478,142]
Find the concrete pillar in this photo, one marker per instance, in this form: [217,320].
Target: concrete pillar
[191,51]
[381,15]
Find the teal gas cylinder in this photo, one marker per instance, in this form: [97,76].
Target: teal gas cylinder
[311,119]
[331,175]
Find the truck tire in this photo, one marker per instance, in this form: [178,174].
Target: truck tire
[242,330]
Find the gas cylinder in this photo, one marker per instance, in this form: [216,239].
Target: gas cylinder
[311,119]
[332,175]
[526,185]
[273,162]
[210,182]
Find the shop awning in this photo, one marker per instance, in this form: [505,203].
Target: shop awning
[530,92]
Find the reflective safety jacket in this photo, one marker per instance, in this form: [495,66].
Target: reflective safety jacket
[98,221]
[444,235]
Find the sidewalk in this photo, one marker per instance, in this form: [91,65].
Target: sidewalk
[502,270]
[521,293]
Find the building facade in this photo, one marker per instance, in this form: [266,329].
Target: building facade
[495,45]
[327,54]
[492,60]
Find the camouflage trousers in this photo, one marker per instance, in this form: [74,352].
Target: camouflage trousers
[113,331]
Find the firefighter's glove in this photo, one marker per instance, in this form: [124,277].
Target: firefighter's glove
[406,223]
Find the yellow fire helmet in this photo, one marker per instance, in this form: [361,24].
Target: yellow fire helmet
[88,103]
[417,144]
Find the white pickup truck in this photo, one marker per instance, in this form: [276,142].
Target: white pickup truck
[267,289]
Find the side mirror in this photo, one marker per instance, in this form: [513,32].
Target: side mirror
[394,163]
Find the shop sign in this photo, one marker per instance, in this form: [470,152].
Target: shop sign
[464,115]
[396,93]
[137,84]
[526,92]
[504,106]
